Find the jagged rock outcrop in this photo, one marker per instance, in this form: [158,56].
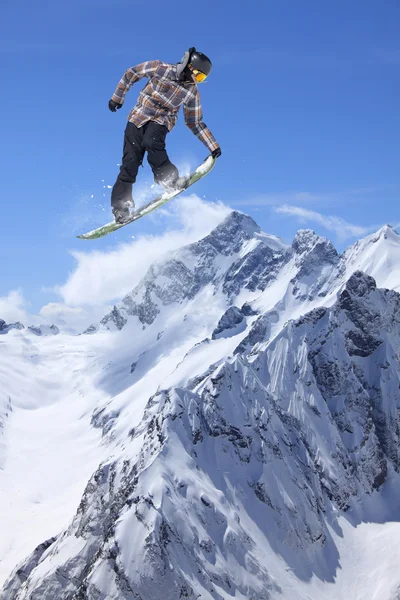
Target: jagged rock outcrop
[316,258]
[228,322]
[4,328]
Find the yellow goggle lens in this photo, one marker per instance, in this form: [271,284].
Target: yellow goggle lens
[199,76]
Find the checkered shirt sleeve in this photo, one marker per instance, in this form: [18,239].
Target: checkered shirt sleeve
[194,120]
[131,76]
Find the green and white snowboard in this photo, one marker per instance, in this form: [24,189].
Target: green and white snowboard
[200,172]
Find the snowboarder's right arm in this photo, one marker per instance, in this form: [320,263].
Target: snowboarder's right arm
[133,74]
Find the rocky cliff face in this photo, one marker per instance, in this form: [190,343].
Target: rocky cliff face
[243,464]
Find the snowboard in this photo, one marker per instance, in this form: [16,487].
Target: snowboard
[200,172]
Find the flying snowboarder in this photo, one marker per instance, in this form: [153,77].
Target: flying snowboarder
[154,115]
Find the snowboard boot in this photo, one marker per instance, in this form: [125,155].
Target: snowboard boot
[122,212]
[181,182]
[172,185]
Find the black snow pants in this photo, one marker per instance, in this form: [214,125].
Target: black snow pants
[149,138]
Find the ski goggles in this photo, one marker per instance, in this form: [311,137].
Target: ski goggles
[198,75]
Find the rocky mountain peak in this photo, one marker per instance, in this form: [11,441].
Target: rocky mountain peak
[238,222]
[360,284]
[388,232]
[229,235]
[385,234]
[306,241]
[353,297]
[315,258]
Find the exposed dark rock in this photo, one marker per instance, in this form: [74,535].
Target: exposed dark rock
[4,328]
[114,317]
[229,320]
[258,333]
[44,330]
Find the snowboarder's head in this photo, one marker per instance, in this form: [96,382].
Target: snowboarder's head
[194,66]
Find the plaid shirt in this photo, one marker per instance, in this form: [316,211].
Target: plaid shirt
[162,97]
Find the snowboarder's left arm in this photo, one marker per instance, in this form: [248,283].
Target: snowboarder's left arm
[194,120]
[133,74]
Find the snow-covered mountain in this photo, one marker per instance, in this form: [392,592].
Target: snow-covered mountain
[36,329]
[229,430]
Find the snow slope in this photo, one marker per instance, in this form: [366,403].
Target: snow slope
[236,416]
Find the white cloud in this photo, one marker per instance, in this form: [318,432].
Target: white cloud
[342,228]
[104,277]
[274,199]
[12,307]
[310,198]
[71,319]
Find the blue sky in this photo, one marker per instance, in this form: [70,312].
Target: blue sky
[303,99]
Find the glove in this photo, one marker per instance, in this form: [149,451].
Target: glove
[113,106]
[216,153]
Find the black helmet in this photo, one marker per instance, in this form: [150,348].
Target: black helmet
[200,62]
[191,61]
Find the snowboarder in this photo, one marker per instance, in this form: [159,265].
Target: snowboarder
[155,114]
